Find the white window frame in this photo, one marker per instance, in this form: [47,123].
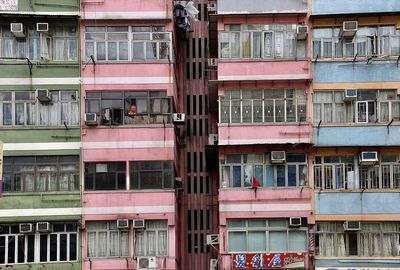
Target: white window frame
[267,230]
[145,232]
[38,108]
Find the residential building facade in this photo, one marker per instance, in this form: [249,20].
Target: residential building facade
[40,133]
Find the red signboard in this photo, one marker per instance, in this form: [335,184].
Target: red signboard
[267,260]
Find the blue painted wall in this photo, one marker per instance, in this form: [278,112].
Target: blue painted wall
[346,203]
[355,262]
[357,136]
[337,72]
[321,7]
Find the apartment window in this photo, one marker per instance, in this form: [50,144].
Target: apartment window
[130,108]
[334,172]
[338,172]
[21,108]
[370,106]
[368,41]
[260,42]
[373,239]
[105,176]
[263,106]
[40,174]
[261,235]
[60,245]
[127,43]
[60,44]
[105,240]
[238,170]
[153,240]
[152,174]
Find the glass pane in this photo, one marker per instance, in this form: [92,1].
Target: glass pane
[277,241]
[257,241]
[297,241]
[237,241]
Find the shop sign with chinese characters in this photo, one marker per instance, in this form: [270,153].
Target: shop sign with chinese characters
[8,4]
[267,260]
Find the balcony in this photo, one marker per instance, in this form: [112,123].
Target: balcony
[228,7]
[119,9]
[332,7]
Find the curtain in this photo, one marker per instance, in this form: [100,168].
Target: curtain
[59,49]
[8,48]
[139,243]
[390,239]
[114,243]
[124,243]
[91,244]
[102,244]
[19,114]
[162,243]
[246,44]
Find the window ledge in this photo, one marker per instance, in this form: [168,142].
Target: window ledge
[129,126]
[102,62]
[379,124]
[87,192]
[375,190]
[33,127]
[241,60]
[266,124]
[358,59]
[263,188]
[11,194]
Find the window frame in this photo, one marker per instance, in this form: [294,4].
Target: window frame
[91,170]
[166,168]
[145,239]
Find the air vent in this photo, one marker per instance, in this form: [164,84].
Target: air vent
[138,223]
[42,27]
[146,263]
[178,118]
[212,139]
[26,228]
[278,157]
[352,225]
[43,227]
[123,224]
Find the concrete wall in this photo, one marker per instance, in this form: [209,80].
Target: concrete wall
[322,7]
[261,6]
[357,136]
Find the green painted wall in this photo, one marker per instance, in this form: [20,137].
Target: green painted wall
[36,134]
[20,69]
[50,266]
[48,5]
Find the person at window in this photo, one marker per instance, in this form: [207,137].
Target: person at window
[132,110]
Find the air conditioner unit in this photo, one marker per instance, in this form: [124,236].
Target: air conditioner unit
[212,239]
[302,32]
[26,228]
[212,139]
[368,158]
[213,264]
[91,119]
[138,223]
[178,118]
[17,29]
[350,94]
[352,225]
[278,156]
[43,95]
[212,62]
[349,28]
[295,221]
[123,223]
[42,27]
[43,227]
[211,7]
[146,263]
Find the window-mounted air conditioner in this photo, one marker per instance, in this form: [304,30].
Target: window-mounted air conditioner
[352,225]
[43,227]
[213,264]
[350,94]
[91,119]
[43,95]
[302,32]
[295,221]
[212,62]
[123,223]
[212,239]
[212,7]
[278,157]
[42,27]
[26,228]
[17,29]
[138,223]
[368,158]
[146,263]
[349,28]
[212,139]
[178,118]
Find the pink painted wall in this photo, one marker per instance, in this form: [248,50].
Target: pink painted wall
[248,134]
[276,70]
[259,19]
[162,6]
